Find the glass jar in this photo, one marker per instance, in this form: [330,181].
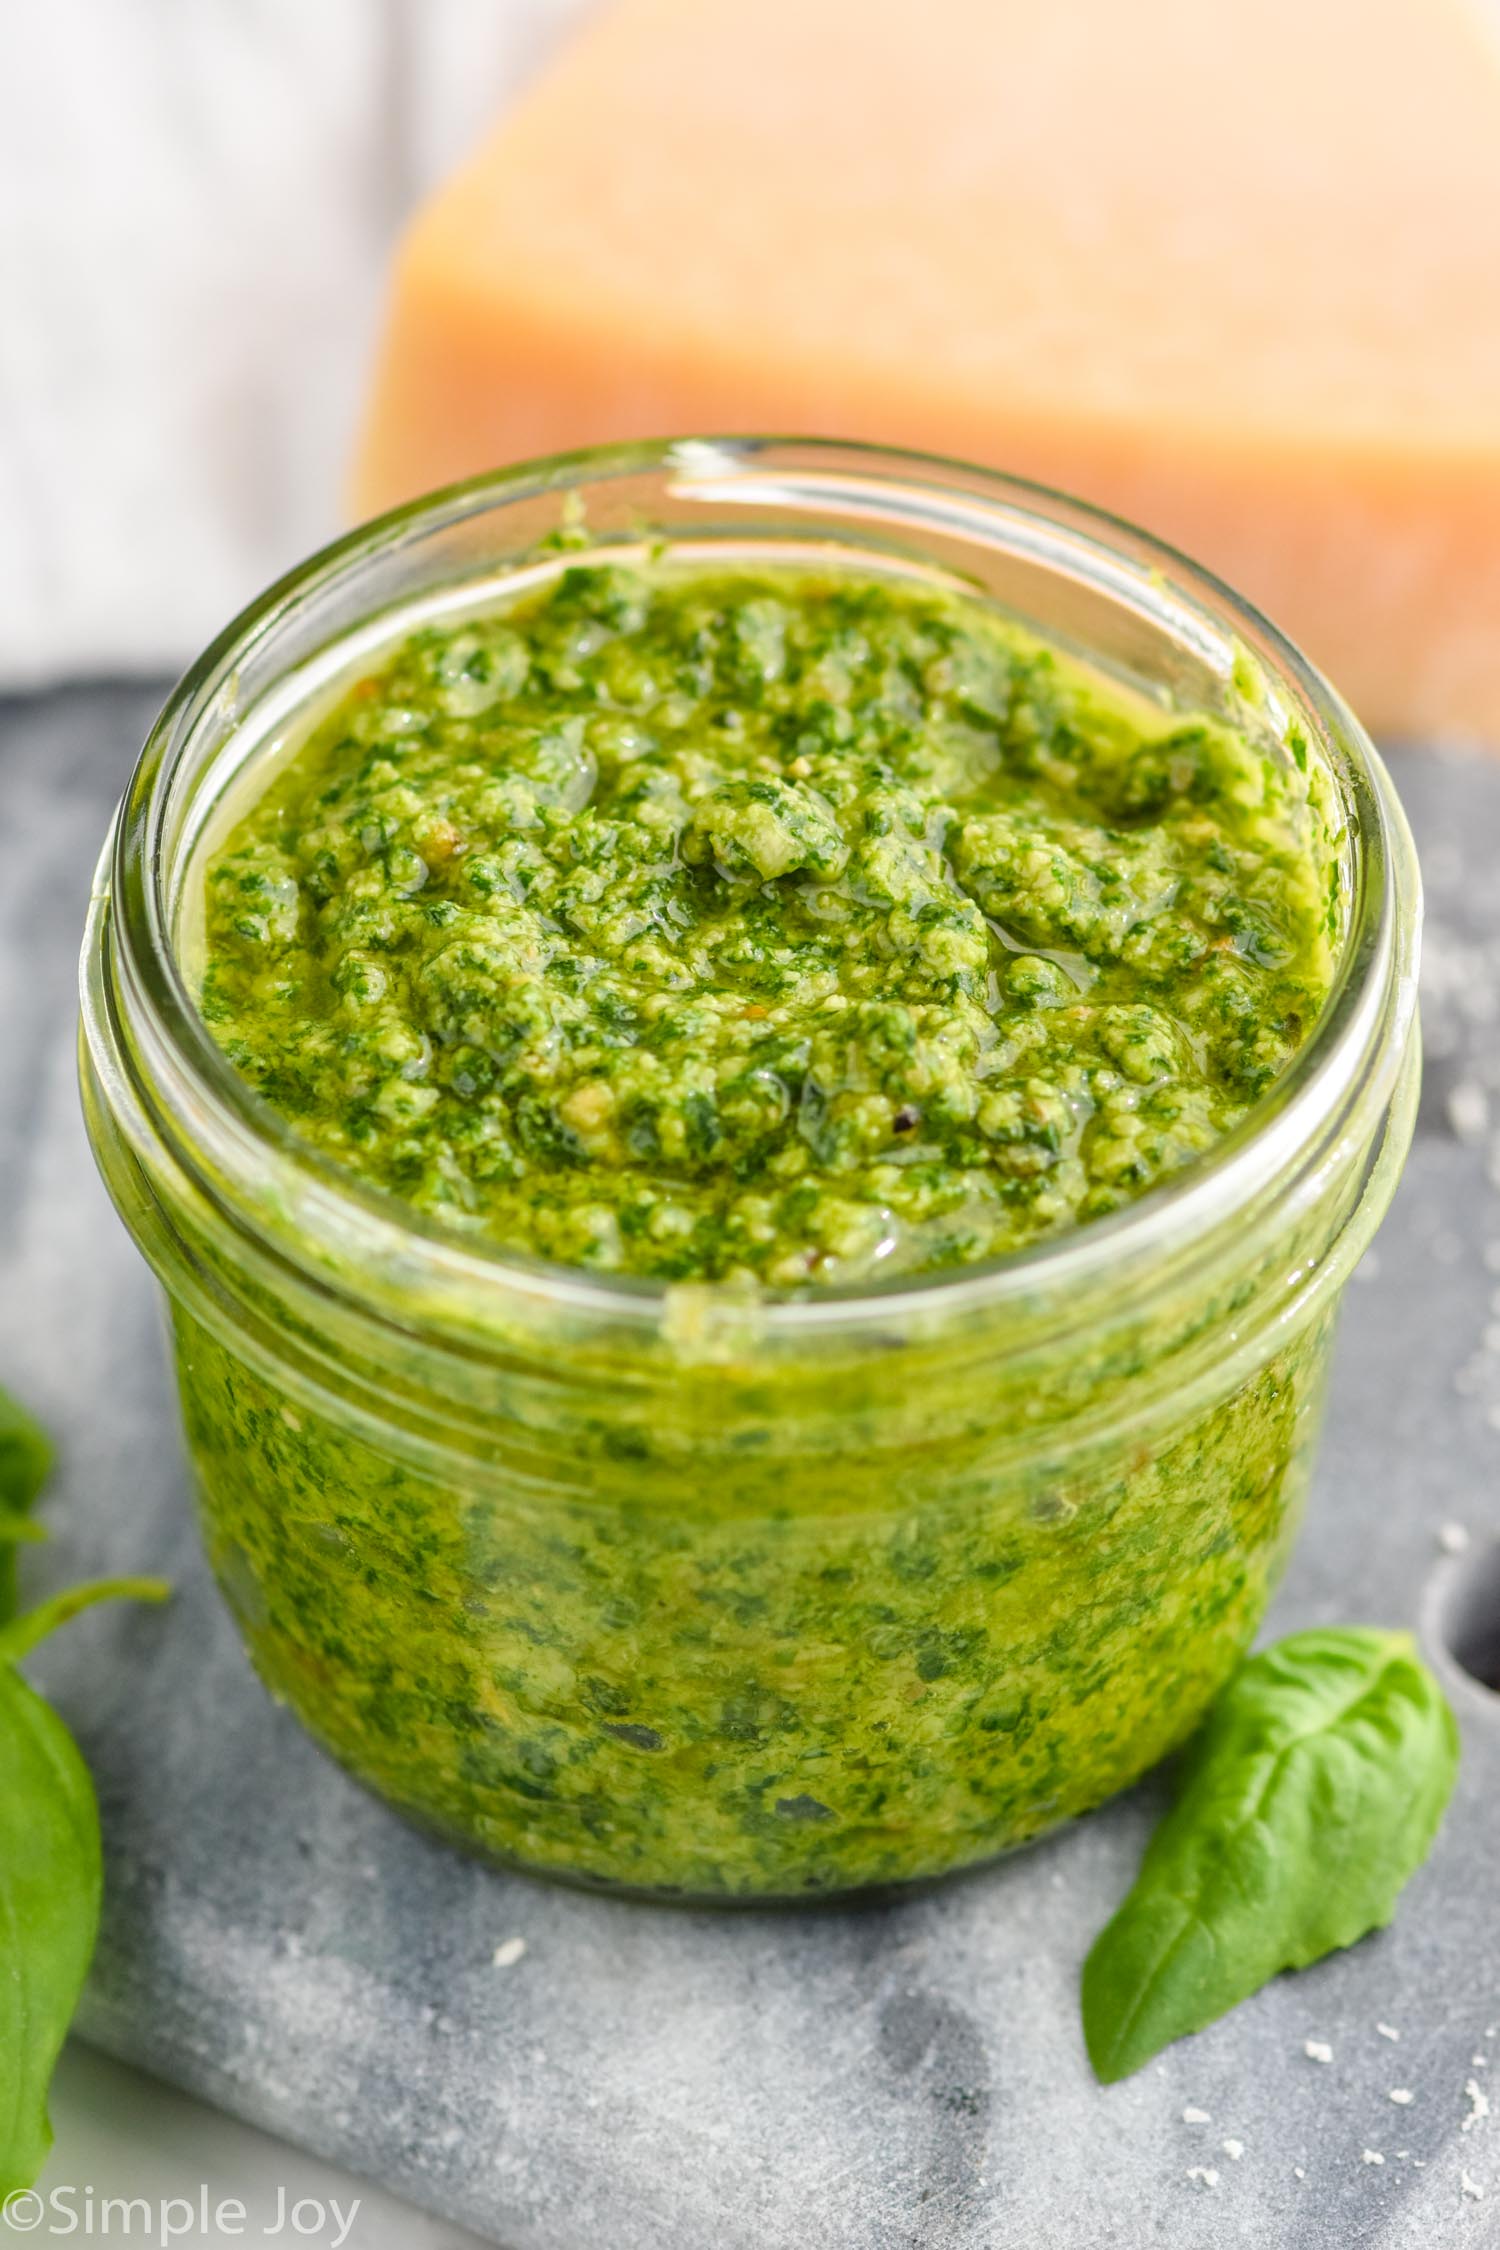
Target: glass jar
[664,1587]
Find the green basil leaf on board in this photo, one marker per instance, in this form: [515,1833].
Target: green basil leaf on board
[21,1635]
[1312,1793]
[50,1882]
[49,1914]
[50,1873]
[25,1458]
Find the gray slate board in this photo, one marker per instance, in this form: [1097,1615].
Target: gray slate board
[867,2078]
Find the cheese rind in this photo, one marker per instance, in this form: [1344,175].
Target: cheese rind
[1233,272]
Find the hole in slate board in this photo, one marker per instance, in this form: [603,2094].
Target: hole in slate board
[1471,1619]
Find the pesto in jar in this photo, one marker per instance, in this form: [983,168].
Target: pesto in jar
[782,931]
[761,928]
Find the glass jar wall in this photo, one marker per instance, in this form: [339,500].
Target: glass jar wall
[691,1590]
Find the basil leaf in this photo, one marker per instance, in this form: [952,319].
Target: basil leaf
[50,1884]
[1310,1796]
[25,1459]
[23,1633]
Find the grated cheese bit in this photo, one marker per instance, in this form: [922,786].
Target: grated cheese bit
[1469,1111]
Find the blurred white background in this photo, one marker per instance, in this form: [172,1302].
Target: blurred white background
[198,200]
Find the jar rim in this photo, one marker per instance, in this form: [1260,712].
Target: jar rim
[1352,1050]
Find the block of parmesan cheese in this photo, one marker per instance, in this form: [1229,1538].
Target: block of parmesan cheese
[1228,267]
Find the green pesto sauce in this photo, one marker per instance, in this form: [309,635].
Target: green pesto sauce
[788,930]
[762,926]
[665,1656]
